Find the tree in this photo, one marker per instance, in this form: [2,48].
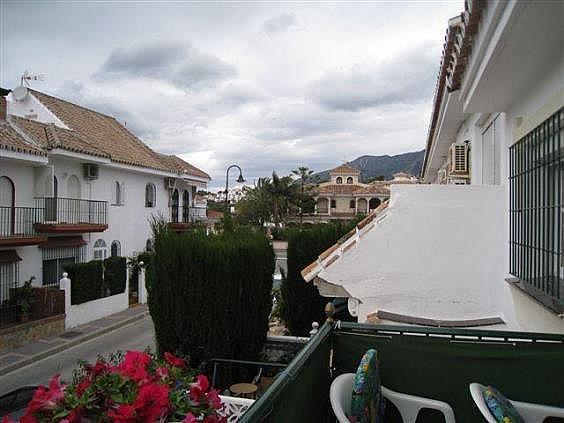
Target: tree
[283,194]
[304,174]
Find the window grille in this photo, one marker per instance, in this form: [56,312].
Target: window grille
[536,189]
[55,259]
[8,302]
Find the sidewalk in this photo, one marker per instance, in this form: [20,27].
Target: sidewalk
[13,359]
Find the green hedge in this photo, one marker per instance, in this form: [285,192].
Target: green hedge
[210,296]
[301,302]
[87,281]
[115,274]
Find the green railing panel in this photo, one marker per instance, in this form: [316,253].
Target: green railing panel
[301,392]
[441,364]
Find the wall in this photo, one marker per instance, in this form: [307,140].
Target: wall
[438,253]
[92,310]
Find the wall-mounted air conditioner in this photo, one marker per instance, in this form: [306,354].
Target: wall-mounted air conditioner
[458,159]
[91,171]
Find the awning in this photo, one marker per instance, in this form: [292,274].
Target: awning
[63,242]
[9,256]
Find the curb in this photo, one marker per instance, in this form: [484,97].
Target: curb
[72,343]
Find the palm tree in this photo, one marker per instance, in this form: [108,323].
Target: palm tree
[304,174]
[282,193]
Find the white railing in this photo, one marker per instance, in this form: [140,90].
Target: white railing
[234,407]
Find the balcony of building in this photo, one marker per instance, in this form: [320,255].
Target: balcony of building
[17,226]
[184,218]
[70,215]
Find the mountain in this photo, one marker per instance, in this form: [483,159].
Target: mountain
[372,166]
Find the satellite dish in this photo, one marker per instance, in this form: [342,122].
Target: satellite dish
[20,93]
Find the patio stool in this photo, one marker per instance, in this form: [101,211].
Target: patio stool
[244,390]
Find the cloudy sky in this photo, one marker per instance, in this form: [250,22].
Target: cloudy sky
[270,86]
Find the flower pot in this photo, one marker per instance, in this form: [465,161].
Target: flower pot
[25,317]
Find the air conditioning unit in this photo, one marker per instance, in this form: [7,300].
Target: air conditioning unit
[170,183]
[458,159]
[91,171]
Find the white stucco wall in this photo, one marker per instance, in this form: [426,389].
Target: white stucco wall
[438,253]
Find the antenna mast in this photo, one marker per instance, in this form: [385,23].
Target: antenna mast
[27,77]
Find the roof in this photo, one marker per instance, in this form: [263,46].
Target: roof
[344,169]
[331,255]
[351,189]
[181,166]
[456,51]
[11,140]
[97,134]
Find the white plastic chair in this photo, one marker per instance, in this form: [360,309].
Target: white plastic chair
[408,406]
[531,413]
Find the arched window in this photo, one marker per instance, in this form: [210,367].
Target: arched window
[115,249]
[339,180]
[150,195]
[149,245]
[118,196]
[373,203]
[174,207]
[349,180]
[352,204]
[6,192]
[100,250]
[186,206]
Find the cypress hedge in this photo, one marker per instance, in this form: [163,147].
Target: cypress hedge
[301,302]
[115,274]
[87,281]
[210,295]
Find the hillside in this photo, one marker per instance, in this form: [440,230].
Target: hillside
[372,166]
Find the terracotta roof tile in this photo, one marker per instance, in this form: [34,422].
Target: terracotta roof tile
[346,189]
[10,139]
[181,166]
[344,169]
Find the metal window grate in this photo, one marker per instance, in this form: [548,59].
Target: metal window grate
[8,294]
[536,189]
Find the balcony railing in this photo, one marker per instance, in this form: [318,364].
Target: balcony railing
[72,211]
[18,221]
[187,214]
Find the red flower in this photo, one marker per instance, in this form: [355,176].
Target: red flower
[152,402]
[214,400]
[47,398]
[134,365]
[198,389]
[29,418]
[7,419]
[162,372]
[175,361]
[83,386]
[123,414]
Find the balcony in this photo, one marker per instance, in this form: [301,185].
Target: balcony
[182,219]
[435,363]
[70,215]
[16,226]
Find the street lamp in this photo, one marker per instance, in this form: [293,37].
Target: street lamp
[240,180]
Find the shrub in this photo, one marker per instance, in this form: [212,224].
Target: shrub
[87,281]
[209,296]
[115,274]
[301,302]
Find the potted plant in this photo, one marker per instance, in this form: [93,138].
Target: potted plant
[25,300]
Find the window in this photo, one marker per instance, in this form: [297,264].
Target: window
[174,206]
[352,204]
[55,260]
[115,249]
[8,281]
[339,180]
[100,251]
[150,195]
[333,204]
[536,205]
[119,193]
[186,207]
[349,180]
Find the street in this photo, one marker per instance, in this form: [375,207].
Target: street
[138,335]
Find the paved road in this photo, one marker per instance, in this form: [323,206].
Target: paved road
[137,335]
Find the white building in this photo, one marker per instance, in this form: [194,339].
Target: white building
[483,244]
[77,185]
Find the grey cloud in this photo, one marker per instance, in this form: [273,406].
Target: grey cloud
[179,64]
[408,77]
[281,23]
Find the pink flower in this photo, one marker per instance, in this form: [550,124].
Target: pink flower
[47,398]
[214,400]
[190,418]
[174,361]
[199,388]
[161,372]
[7,419]
[152,402]
[134,365]
[123,414]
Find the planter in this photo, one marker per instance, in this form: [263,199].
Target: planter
[25,317]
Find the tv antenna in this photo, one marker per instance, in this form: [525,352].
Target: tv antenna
[27,77]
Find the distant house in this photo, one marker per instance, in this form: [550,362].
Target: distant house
[344,196]
[481,241]
[76,185]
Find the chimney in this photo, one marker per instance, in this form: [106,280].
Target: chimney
[3,108]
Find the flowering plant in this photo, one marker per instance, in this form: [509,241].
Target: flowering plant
[127,388]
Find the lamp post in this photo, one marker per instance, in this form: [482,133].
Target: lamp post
[240,180]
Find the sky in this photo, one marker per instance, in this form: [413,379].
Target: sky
[269,86]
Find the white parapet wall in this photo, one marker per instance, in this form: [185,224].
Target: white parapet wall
[80,314]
